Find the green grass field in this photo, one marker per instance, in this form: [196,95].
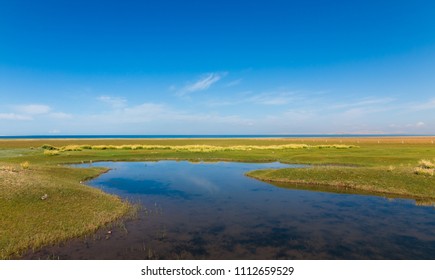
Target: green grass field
[42,201]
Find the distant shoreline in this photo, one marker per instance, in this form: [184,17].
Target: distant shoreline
[205,136]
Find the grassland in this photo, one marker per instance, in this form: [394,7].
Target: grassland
[42,201]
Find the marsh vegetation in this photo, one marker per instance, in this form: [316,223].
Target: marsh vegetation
[399,166]
[51,150]
[212,211]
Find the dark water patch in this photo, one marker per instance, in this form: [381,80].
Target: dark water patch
[144,187]
[213,211]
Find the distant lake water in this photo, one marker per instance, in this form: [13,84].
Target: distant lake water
[213,211]
[199,136]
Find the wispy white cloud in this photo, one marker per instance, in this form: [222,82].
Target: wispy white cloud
[205,82]
[277,110]
[361,108]
[29,112]
[300,115]
[415,126]
[216,119]
[235,99]
[60,115]
[145,112]
[152,113]
[364,102]
[13,116]
[420,124]
[33,109]
[233,83]
[115,102]
[424,106]
[141,113]
[362,111]
[266,98]
[280,98]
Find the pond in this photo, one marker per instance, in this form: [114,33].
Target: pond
[213,211]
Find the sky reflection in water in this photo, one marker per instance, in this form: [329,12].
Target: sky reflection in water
[212,211]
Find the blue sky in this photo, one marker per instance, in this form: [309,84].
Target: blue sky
[217,67]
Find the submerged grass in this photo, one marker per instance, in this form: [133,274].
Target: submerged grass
[43,202]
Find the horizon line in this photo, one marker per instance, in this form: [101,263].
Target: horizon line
[278,135]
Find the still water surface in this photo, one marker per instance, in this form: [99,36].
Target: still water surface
[213,211]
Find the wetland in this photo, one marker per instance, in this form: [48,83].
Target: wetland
[211,210]
[360,198]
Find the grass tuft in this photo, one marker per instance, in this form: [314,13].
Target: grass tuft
[86,147]
[51,152]
[48,147]
[425,167]
[71,148]
[25,165]
[426,164]
[423,171]
[7,168]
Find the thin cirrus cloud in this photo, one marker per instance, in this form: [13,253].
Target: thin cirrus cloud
[25,112]
[364,102]
[233,83]
[33,109]
[115,102]
[28,112]
[409,125]
[14,117]
[268,99]
[272,98]
[203,83]
[424,106]
[60,116]
[146,113]
[141,113]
